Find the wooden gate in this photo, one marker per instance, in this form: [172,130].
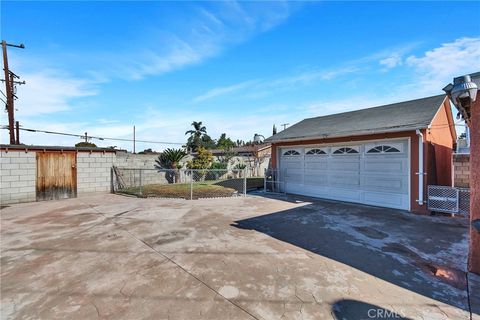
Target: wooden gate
[56,175]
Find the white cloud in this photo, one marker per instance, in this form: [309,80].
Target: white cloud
[437,67]
[392,61]
[261,87]
[208,33]
[50,91]
[215,92]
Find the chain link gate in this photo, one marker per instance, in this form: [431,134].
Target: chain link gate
[449,199]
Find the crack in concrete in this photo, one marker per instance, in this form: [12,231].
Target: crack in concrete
[96,308]
[174,262]
[302,302]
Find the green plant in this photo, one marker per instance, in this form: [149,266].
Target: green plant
[240,166]
[219,165]
[85,144]
[203,160]
[170,159]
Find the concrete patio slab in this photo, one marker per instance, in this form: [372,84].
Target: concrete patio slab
[115,257]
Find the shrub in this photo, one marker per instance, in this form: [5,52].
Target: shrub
[85,144]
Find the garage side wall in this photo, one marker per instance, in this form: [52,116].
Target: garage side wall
[440,138]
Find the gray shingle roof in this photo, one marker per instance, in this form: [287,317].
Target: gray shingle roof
[402,116]
[476,78]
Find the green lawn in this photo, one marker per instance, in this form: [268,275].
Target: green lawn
[206,189]
[181,190]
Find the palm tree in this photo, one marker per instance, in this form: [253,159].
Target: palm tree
[194,141]
[170,159]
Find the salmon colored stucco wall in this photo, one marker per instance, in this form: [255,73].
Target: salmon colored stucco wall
[440,138]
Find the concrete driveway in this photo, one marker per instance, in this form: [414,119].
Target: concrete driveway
[115,257]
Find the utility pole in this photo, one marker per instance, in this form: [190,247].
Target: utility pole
[284,125]
[9,85]
[86,137]
[133,139]
[17,129]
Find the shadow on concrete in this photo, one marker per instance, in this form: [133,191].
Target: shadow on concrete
[357,310]
[389,244]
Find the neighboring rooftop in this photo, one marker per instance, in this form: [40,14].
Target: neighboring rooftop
[402,116]
[244,150]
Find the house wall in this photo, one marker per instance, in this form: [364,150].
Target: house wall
[461,170]
[440,139]
[414,179]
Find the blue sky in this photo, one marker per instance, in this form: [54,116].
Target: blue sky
[239,67]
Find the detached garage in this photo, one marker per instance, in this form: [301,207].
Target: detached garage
[384,156]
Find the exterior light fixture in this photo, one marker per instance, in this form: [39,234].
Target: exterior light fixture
[462,92]
[464,87]
[257,138]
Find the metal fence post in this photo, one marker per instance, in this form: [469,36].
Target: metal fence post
[141,182]
[244,182]
[265,180]
[112,186]
[191,184]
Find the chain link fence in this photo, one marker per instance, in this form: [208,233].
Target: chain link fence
[274,181]
[183,183]
[449,199]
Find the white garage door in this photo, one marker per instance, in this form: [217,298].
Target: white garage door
[375,173]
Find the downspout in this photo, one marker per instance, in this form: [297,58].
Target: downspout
[420,172]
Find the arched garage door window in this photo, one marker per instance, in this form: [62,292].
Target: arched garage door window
[315,152]
[291,153]
[346,150]
[383,149]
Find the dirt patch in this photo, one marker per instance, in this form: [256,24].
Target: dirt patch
[172,236]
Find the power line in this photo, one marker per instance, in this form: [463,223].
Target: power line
[82,136]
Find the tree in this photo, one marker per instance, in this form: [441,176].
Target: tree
[239,143]
[148,151]
[225,143]
[170,159]
[207,142]
[228,155]
[274,130]
[203,160]
[85,144]
[195,139]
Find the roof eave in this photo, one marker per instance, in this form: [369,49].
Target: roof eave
[359,133]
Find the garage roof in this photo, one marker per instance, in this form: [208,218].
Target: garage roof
[402,116]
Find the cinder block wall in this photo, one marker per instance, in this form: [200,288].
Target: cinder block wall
[94,172]
[461,170]
[17,176]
